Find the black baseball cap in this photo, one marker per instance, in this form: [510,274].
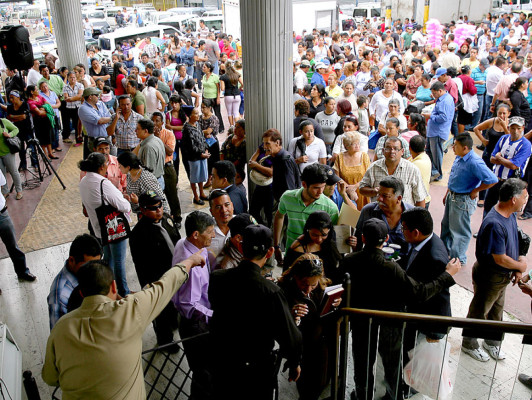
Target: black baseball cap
[375,231]
[149,198]
[332,178]
[239,222]
[256,238]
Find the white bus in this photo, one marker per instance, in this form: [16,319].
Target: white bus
[109,41]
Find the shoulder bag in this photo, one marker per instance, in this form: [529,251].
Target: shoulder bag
[114,226]
[13,143]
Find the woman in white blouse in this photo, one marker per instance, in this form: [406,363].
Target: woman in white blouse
[378,107]
[92,188]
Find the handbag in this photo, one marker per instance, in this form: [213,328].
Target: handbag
[258,178]
[524,242]
[114,226]
[13,143]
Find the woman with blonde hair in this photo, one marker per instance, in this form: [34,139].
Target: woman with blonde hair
[349,72]
[231,84]
[351,165]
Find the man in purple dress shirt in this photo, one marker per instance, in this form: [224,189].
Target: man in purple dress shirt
[192,302]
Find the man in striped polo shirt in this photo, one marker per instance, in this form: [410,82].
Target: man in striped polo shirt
[510,157]
[298,204]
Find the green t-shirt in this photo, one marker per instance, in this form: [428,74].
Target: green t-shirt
[210,90]
[138,100]
[291,204]
[12,130]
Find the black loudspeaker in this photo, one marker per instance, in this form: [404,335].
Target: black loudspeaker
[16,47]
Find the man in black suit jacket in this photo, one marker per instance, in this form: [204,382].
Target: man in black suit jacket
[223,177]
[152,250]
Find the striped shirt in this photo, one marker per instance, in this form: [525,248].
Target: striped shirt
[62,287]
[517,152]
[407,172]
[291,204]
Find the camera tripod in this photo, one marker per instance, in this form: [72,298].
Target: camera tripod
[44,166]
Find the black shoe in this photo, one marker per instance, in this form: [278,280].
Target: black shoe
[525,380]
[481,147]
[27,276]
[475,235]
[199,202]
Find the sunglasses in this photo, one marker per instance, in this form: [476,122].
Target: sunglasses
[153,208]
[216,191]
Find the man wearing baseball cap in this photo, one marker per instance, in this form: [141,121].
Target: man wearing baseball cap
[250,313]
[95,117]
[231,253]
[451,59]
[509,157]
[300,77]
[392,292]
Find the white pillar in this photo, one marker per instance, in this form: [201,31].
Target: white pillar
[68,30]
[267,62]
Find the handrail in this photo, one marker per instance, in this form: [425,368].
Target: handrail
[455,322]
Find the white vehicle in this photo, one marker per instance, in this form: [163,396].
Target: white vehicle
[213,13]
[198,11]
[109,41]
[366,11]
[516,5]
[213,23]
[158,16]
[110,14]
[180,22]
[444,11]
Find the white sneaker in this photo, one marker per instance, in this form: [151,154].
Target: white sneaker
[478,354]
[495,351]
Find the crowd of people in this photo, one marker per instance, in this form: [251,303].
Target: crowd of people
[375,110]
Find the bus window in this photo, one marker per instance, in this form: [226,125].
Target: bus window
[105,44]
[375,12]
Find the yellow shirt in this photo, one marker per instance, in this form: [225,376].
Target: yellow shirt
[422,161]
[94,352]
[472,64]
[337,91]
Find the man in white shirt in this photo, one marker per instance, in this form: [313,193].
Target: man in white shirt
[418,36]
[450,59]
[87,27]
[300,77]
[493,75]
[519,30]
[33,74]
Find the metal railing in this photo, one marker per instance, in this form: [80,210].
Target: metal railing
[482,329]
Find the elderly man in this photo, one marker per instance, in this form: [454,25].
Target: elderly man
[95,117]
[191,300]
[450,59]
[439,127]
[151,150]
[83,249]
[393,164]
[95,350]
[123,128]
[499,262]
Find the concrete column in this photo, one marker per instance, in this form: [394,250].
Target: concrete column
[267,63]
[68,29]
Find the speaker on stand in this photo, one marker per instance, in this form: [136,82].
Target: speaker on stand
[16,47]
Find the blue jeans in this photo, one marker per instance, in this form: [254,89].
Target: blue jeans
[435,153]
[190,70]
[487,104]
[7,234]
[456,224]
[477,115]
[216,68]
[115,255]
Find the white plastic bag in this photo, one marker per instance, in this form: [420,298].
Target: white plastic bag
[423,370]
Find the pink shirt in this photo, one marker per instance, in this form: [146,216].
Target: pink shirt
[117,178]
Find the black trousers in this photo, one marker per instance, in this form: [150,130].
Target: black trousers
[492,197]
[198,355]
[170,190]
[70,114]
[262,199]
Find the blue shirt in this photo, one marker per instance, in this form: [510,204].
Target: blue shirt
[89,116]
[517,152]
[187,56]
[423,94]
[497,235]
[468,172]
[478,75]
[441,119]
[62,287]
[317,78]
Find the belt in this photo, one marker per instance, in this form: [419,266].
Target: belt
[458,194]
[3,209]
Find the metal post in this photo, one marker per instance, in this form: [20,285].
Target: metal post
[267,60]
[426,15]
[49,17]
[388,15]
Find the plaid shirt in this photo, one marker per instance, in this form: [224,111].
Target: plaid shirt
[125,131]
[62,287]
[407,172]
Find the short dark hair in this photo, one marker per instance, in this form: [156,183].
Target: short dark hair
[437,86]
[133,84]
[123,97]
[225,169]
[146,124]
[417,144]
[215,194]
[302,107]
[391,182]
[465,140]
[95,277]
[241,123]
[511,188]
[393,139]
[84,245]
[198,221]
[314,173]
[418,218]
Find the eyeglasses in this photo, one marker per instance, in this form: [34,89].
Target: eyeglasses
[153,208]
[216,191]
